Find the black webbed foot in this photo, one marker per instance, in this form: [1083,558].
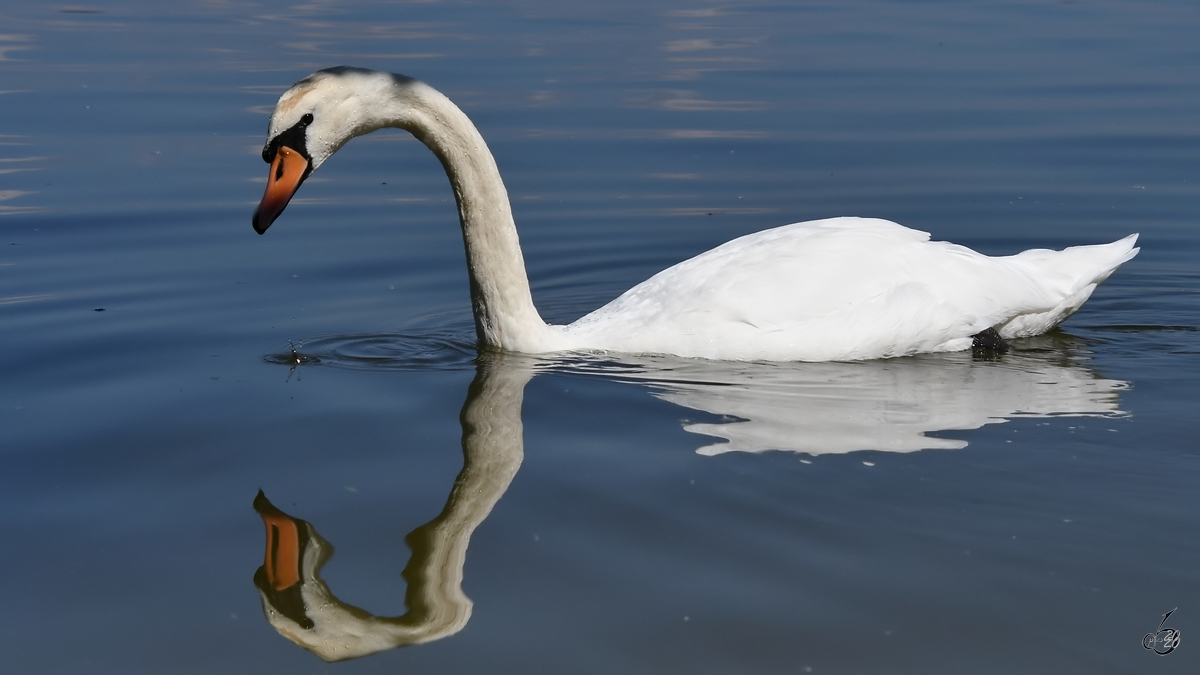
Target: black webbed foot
[988,342]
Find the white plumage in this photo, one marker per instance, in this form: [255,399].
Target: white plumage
[836,289]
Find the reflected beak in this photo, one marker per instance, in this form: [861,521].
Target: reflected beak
[288,170]
[284,546]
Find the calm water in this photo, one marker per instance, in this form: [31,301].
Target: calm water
[934,514]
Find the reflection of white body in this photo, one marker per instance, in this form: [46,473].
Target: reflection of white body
[822,408]
[890,405]
[838,289]
[805,407]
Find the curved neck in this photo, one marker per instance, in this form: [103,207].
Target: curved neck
[503,307]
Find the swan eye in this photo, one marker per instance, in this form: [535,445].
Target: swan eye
[307,119]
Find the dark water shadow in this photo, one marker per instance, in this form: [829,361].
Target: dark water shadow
[1147,339]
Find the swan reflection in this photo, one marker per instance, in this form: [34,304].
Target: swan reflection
[815,408]
[299,604]
[889,405]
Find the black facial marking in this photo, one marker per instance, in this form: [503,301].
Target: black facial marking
[294,138]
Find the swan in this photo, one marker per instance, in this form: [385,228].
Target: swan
[840,289]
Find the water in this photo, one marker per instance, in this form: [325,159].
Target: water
[931,514]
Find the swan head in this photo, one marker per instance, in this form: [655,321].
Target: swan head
[314,118]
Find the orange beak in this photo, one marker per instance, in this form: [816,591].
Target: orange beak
[288,170]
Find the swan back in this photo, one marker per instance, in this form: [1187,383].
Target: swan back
[835,289]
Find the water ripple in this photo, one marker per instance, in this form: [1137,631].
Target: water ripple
[382,351]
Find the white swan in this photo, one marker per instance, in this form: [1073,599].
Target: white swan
[836,289]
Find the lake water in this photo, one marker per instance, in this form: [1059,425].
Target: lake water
[934,514]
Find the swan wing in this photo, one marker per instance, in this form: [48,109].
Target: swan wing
[836,289]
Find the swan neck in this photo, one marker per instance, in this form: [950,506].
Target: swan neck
[505,316]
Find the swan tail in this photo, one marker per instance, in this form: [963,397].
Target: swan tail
[1073,274]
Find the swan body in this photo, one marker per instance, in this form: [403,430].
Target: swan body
[835,289]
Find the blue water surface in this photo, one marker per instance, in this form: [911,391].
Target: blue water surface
[587,514]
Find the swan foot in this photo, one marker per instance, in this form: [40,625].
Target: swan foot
[988,342]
